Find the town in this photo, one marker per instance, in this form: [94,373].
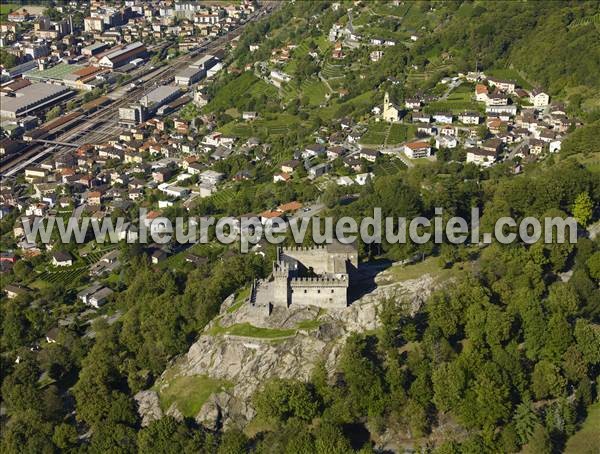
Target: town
[289,110]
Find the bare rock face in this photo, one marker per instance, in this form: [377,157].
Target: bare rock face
[249,362]
[148,406]
[175,412]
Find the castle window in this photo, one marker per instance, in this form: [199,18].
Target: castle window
[318,291]
[304,290]
[332,290]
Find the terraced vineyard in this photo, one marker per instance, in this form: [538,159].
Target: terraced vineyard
[64,276]
[390,167]
[263,88]
[331,71]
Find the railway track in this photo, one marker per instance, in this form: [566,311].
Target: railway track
[103,124]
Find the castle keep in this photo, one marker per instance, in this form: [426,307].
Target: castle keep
[308,276]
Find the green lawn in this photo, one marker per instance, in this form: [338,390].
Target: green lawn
[591,161]
[248,330]
[277,125]
[190,393]
[401,133]
[455,106]
[236,128]
[428,266]
[587,439]
[57,72]
[65,275]
[309,324]
[376,133]
[332,71]
[240,299]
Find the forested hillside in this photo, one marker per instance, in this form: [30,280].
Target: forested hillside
[553,44]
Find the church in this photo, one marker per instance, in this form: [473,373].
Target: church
[391,111]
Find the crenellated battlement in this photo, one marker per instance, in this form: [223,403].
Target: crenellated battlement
[303,248]
[324,282]
[330,265]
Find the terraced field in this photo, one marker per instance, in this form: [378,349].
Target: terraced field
[390,167]
[263,88]
[315,90]
[332,71]
[64,276]
[376,134]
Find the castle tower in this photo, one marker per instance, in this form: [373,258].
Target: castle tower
[280,285]
[386,102]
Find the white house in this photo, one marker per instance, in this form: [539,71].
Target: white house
[279,77]
[480,157]
[441,117]
[413,103]
[62,259]
[481,93]
[420,117]
[507,86]
[510,109]
[539,98]
[555,145]
[446,142]
[469,118]
[417,150]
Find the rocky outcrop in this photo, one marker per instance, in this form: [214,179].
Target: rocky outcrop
[175,412]
[148,406]
[249,362]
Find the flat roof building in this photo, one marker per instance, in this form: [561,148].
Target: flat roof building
[161,95]
[206,62]
[31,98]
[189,76]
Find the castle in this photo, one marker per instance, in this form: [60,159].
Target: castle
[308,276]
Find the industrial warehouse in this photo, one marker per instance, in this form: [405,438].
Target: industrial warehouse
[32,98]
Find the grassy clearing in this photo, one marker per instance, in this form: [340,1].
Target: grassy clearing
[190,393]
[240,298]
[223,197]
[248,330]
[428,266]
[401,133]
[331,71]
[388,167]
[237,129]
[455,106]
[587,439]
[64,276]
[376,133]
[315,90]
[309,324]
[277,125]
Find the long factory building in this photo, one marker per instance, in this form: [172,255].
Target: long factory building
[31,98]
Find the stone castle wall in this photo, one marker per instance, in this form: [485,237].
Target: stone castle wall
[313,257]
